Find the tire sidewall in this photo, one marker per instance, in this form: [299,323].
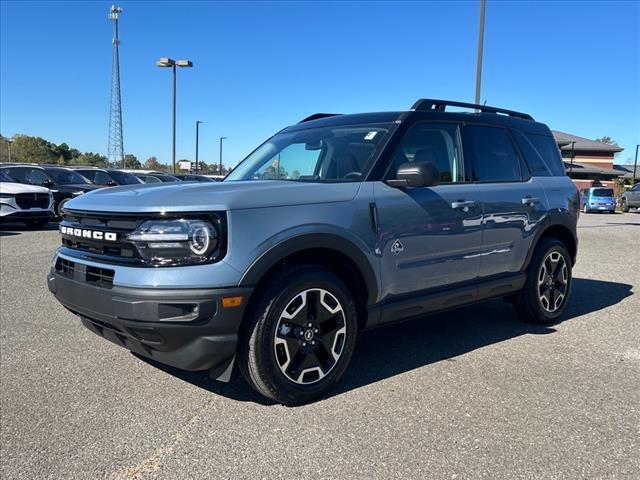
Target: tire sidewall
[551,246]
[264,341]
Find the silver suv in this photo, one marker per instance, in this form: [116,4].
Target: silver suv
[334,225]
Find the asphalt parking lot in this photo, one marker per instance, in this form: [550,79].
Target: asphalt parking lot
[467,394]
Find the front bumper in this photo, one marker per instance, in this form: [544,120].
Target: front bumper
[9,215]
[185,328]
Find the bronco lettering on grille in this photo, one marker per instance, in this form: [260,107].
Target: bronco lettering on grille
[91,234]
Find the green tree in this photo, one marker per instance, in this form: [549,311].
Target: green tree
[131,161]
[152,163]
[33,150]
[90,159]
[608,141]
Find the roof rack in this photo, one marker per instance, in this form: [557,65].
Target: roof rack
[316,116]
[440,105]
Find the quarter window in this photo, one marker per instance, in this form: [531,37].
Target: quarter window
[491,154]
[434,143]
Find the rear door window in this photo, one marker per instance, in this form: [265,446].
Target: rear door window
[491,154]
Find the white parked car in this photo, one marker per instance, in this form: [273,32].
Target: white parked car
[29,204]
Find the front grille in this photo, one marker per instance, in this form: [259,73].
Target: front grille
[119,249]
[32,200]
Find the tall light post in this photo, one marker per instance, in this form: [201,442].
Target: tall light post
[165,62]
[221,139]
[9,142]
[635,164]
[198,122]
[480,49]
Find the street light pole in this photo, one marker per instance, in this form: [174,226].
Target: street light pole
[198,122]
[9,141]
[573,155]
[635,164]
[165,62]
[221,139]
[480,49]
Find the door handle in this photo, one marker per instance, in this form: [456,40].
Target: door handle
[463,204]
[530,200]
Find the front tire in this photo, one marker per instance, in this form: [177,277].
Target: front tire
[299,335]
[548,285]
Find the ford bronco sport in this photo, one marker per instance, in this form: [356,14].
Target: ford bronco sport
[333,225]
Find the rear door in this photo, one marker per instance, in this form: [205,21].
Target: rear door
[514,202]
[429,237]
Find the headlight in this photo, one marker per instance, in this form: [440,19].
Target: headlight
[75,194]
[175,241]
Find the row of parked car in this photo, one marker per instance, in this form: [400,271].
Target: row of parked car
[35,194]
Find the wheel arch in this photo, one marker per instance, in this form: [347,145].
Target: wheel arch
[559,227]
[330,251]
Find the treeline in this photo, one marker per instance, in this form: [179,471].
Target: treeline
[28,149]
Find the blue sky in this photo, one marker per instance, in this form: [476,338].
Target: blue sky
[261,66]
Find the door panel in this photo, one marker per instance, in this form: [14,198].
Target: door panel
[513,212]
[437,245]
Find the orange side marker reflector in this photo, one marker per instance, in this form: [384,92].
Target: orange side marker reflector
[230,302]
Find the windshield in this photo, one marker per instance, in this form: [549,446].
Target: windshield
[602,192]
[6,178]
[327,154]
[123,178]
[66,177]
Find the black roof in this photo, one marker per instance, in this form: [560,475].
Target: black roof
[428,109]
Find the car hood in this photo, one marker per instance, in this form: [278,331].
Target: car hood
[10,187]
[210,196]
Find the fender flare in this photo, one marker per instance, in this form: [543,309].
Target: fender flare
[555,218]
[307,241]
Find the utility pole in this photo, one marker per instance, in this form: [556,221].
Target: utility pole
[480,49]
[115,149]
[198,122]
[221,139]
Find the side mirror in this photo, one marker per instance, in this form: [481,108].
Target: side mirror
[47,183]
[415,174]
[111,183]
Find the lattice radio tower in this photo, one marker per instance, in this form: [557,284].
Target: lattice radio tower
[116,145]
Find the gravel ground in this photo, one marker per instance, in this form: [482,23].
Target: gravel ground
[466,394]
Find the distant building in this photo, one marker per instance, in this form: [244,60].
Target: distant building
[586,161]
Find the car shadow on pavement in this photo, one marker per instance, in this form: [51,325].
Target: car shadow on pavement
[10,229]
[395,349]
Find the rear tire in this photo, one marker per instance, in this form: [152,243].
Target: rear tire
[624,205]
[280,355]
[548,285]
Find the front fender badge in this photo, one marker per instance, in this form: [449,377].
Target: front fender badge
[397,248]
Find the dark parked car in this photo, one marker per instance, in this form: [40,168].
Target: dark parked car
[154,177]
[631,198]
[108,177]
[64,183]
[192,177]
